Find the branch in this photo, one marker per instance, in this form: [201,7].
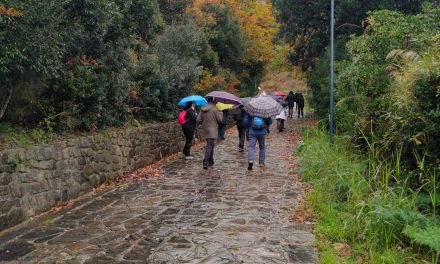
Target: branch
[5,105]
[350,25]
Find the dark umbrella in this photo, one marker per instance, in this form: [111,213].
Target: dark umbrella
[224,97]
[263,106]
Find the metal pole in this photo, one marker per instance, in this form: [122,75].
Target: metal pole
[332,57]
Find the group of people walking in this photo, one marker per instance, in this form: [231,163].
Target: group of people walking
[251,128]
[297,99]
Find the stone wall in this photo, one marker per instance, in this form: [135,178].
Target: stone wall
[34,179]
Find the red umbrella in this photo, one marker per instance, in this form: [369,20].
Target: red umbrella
[280,94]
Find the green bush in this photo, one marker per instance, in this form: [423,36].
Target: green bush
[386,87]
[94,64]
[357,206]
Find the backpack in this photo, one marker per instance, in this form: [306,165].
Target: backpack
[258,123]
[181,118]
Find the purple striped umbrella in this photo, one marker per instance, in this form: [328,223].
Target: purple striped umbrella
[263,106]
[224,97]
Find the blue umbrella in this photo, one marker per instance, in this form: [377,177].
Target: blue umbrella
[197,99]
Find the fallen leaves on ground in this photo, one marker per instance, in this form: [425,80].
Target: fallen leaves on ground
[154,170]
[60,206]
[343,250]
[303,212]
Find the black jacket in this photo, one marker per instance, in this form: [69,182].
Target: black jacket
[300,100]
[239,114]
[291,100]
[225,120]
[191,119]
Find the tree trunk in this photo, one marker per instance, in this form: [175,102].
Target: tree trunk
[5,104]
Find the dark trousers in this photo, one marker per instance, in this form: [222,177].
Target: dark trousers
[301,111]
[291,111]
[280,124]
[209,152]
[189,135]
[221,131]
[242,131]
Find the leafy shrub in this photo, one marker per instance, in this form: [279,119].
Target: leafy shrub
[5,127]
[428,236]
[93,64]
[355,206]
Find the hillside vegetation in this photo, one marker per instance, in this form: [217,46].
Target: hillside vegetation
[377,188]
[93,64]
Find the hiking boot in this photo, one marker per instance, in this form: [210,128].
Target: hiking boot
[189,157]
[240,150]
[205,167]
[250,166]
[262,165]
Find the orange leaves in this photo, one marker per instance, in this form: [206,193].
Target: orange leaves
[344,250]
[257,22]
[209,81]
[61,206]
[10,12]
[83,60]
[204,19]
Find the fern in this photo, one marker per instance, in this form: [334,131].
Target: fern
[430,236]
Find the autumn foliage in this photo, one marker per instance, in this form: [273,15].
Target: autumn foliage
[10,12]
[258,25]
[109,62]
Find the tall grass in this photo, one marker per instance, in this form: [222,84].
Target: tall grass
[367,202]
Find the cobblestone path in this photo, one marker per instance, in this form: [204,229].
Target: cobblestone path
[223,215]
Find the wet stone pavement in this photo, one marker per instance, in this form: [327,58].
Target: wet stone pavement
[223,215]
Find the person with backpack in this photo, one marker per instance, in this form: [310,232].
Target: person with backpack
[209,118]
[300,103]
[187,119]
[238,115]
[223,124]
[291,103]
[257,132]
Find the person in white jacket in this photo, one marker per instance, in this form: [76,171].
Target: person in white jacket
[280,120]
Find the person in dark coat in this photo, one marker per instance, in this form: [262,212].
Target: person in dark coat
[239,114]
[290,99]
[189,128]
[223,124]
[300,103]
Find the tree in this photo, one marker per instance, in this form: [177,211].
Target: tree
[178,50]
[305,24]
[242,33]
[31,44]
[388,85]
[174,10]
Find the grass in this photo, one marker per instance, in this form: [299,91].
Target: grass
[48,221]
[26,137]
[366,203]
[13,136]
